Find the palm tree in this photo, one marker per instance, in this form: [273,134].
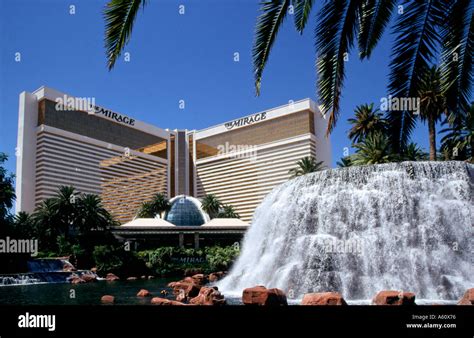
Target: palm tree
[211,205]
[414,153]
[160,204]
[228,211]
[366,121]
[155,207]
[432,104]
[458,142]
[119,18]
[146,210]
[45,218]
[340,24]
[92,215]
[7,191]
[373,150]
[305,166]
[65,204]
[23,225]
[344,162]
[422,28]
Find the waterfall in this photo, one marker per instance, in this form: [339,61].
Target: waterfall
[46,265]
[359,230]
[43,270]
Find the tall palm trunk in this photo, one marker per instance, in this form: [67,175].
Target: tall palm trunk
[432,132]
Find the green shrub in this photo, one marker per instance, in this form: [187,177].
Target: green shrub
[221,258]
[166,260]
[106,258]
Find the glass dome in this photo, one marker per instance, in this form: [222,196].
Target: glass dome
[185,210]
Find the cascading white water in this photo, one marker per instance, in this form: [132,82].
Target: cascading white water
[359,230]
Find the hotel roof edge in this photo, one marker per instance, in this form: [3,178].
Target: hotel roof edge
[311,106]
[52,94]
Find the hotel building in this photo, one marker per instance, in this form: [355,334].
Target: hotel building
[64,140]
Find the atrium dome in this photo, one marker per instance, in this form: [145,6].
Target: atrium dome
[186,211]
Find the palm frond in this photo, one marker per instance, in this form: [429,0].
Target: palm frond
[268,24]
[119,16]
[417,38]
[457,36]
[335,34]
[302,10]
[373,19]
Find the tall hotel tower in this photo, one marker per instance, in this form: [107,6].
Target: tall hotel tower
[126,162]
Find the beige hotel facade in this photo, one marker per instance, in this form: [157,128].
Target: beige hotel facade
[127,161]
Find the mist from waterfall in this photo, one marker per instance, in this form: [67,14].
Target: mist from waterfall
[359,230]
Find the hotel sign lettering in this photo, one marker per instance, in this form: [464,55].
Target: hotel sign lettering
[114,116]
[246,121]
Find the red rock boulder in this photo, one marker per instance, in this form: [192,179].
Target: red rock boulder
[107,299]
[391,297]
[184,290]
[199,279]
[323,298]
[144,293]
[215,276]
[192,272]
[111,277]
[68,267]
[260,295]
[468,298]
[164,301]
[88,278]
[208,296]
[189,280]
[76,280]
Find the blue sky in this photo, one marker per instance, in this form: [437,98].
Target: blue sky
[173,57]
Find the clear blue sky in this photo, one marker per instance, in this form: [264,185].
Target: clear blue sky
[173,57]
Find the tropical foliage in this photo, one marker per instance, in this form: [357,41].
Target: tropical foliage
[211,205]
[432,104]
[458,140]
[414,153]
[344,162]
[156,207]
[165,260]
[228,211]
[68,223]
[7,194]
[424,30]
[305,166]
[74,216]
[373,150]
[426,33]
[366,120]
